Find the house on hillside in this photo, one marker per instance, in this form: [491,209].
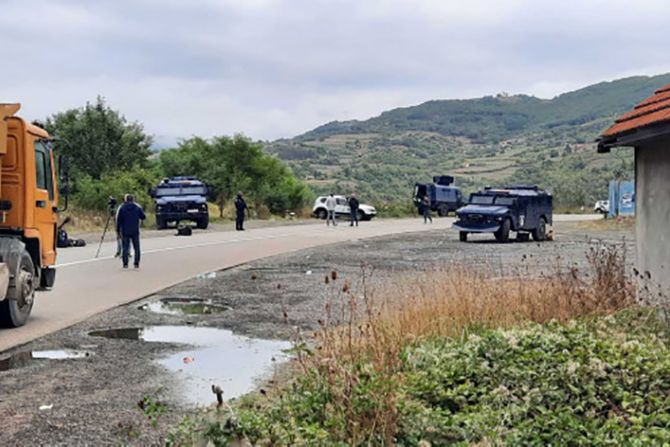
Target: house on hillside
[646,128]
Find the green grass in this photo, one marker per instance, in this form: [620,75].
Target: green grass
[601,381]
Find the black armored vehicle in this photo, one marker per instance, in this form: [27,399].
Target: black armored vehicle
[442,195]
[523,209]
[181,199]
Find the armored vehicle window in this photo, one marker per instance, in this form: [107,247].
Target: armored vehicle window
[505,201]
[481,200]
[181,191]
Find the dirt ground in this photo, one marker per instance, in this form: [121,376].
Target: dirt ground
[94,400]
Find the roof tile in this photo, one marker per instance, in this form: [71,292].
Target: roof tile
[653,110]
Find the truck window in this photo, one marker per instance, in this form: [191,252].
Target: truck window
[43,168]
[40,170]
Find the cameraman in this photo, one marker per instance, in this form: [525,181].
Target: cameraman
[128,224]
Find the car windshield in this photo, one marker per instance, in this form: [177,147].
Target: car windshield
[481,200]
[181,191]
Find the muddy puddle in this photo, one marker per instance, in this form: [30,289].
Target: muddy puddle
[183,306]
[215,357]
[24,358]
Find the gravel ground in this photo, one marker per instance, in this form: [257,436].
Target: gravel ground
[94,399]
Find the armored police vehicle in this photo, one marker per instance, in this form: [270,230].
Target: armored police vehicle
[524,209]
[181,199]
[443,197]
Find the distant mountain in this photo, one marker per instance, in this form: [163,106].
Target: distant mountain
[489,140]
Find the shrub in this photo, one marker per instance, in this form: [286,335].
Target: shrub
[433,358]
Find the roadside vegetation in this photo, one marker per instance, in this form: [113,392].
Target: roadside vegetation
[467,358]
[109,156]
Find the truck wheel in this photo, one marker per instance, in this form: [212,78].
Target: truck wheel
[321,213]
[442,210]
[502,235]
[15,312]
[203,223]
[540,233]
[161,224]
[463,236]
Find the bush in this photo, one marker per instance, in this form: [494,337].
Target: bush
[441,358]
[93,194]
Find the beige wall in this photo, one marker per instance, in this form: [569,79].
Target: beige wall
[652,195]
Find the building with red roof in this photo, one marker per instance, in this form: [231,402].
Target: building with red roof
[646,128]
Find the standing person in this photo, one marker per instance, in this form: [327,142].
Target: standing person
[128,222]
[425,203]
[353,209]
[331,203]
[240,208]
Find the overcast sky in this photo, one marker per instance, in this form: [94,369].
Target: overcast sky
[277,68]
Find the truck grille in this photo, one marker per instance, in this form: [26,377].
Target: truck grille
[476,218]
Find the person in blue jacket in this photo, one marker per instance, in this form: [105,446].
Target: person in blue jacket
[128,222]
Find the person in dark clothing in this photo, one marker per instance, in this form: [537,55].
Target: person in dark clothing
[240,208]
[425,203]
[128,222]
[353,209]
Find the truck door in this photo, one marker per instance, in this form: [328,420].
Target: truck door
[45,202]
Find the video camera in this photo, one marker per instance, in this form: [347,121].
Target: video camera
[111,203]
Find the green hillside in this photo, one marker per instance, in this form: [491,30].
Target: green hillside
[483,141]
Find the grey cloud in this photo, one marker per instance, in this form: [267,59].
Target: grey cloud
[272,68]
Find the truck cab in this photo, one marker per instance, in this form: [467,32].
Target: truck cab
[179,199]
[28,215]
[443,197]
[527,210]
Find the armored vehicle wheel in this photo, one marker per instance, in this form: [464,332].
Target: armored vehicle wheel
[14,312]
[463,236]
[321,213]
[442,210]
[161,223]
[540,233]
[203,222]
[502,235]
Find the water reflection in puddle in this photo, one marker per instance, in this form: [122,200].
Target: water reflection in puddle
[218,357]
[183,306]
[23,358]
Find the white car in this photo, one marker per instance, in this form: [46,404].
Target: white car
[602,206]
[365,212]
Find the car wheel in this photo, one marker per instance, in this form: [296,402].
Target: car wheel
[502,235]
[361,215]
[321,213]
[203,223]
[540,233]
[463,236]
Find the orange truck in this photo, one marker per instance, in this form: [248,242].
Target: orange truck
[28,215]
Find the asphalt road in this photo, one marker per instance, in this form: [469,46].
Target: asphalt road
[86,285]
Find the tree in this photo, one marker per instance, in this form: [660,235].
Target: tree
[236,164]
[98,140]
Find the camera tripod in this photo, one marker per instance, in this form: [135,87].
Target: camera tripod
[104,232]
